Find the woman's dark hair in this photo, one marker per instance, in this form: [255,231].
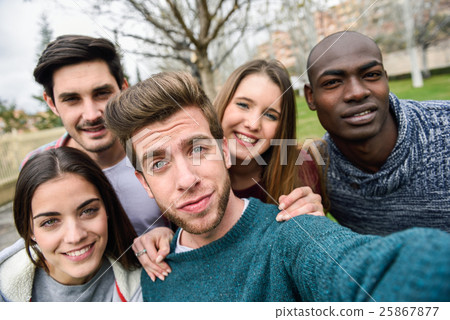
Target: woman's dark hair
[53,163]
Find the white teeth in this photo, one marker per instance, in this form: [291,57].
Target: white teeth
[362,113]
[245,138]
[79,252]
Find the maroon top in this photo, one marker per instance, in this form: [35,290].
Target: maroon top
[307,171]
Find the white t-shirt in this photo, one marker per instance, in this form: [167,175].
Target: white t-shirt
[142,210]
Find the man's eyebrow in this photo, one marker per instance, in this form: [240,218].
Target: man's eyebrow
[369,65]
[191,140]
[149,154]
[332,72]
[339,72]
[104,87]
[72,94]
[67,94]
[161,151]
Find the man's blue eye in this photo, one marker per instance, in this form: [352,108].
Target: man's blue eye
[197,149]
[159,164]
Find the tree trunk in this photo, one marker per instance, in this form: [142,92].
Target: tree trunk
[425,71]
[207,76]
[416,75]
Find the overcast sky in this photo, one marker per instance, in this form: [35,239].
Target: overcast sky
[19,42]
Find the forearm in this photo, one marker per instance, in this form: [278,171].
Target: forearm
[334,264]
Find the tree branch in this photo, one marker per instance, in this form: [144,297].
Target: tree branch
[177,46]
[216,11]
[148,17]
[205,18]
[180,20]
[231,48]
[221,22]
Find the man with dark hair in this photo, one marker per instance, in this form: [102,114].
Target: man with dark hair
[79,75]
[231,249]
[389,166]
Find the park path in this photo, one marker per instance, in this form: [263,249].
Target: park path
[8,233]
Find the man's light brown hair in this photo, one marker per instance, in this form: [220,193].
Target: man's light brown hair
[153,100]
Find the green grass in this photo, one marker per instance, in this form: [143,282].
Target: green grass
[308,125]
[435,88]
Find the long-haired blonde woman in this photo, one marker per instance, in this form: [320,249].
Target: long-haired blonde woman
[257,110]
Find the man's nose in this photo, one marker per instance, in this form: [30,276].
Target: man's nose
[186,174]
[355,90]
[91,111]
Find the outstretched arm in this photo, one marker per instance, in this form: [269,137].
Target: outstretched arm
[332,263]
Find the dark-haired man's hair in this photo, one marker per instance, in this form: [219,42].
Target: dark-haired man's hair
[72,49]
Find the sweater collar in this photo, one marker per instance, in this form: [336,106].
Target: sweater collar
[234,235]
[399,166]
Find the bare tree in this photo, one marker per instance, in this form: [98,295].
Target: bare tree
[183,31]
[408,16]
[432,26]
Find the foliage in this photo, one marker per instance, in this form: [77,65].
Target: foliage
[12,119]
[46,33]
[46,119]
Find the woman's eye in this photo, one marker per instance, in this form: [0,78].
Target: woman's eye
[271,116]
[90,211]
[48,223]
[242,105]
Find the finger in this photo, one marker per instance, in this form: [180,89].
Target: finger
[137,245]
[153,275]
[152,269]
[296,194]
[309,198]
[308,208]
[157,256]
[163,251]
[146,262]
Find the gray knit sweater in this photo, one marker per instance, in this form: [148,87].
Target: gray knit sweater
[412,189]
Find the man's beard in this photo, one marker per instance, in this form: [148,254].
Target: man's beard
[192,227]
[99,148]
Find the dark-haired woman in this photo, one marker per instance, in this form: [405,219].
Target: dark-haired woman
[75,235]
